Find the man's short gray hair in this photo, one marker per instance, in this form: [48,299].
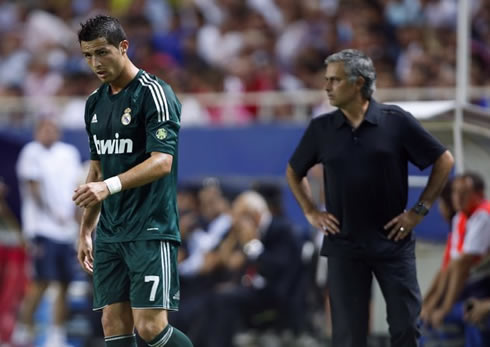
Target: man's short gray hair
[253,201]
[356,64]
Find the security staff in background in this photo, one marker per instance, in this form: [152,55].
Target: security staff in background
[365,148]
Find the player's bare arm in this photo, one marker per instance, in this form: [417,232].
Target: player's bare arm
[302,192]
[153,168]
[402,225]
[89,222]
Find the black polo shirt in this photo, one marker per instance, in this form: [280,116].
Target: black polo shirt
[365,173]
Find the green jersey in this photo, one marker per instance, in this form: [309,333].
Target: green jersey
[123,130]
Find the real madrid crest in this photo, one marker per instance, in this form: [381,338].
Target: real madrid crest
[126,117]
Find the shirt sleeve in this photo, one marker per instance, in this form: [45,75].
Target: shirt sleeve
[28,168]
[477,237]
[162,116]
[93,149]
[305,155]
[422,148]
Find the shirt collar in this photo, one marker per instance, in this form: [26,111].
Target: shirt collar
[371,115]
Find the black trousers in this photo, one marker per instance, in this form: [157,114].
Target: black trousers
[349,282]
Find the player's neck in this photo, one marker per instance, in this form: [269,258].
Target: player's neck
[356,111]
[127,75]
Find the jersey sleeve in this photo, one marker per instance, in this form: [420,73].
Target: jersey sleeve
[422,148]
[28,168]
[305,155]
[162,119]
[477,238]
[88,119]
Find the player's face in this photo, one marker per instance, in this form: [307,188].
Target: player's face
[340,91]
[105,60]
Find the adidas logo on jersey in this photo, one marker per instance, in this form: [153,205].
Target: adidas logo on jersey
[113,146]
[177,295]
[94,118]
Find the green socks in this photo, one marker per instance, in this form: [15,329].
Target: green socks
[170,337]
[121,341]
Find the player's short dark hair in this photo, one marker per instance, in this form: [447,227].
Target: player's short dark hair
[102,27]
[477,181]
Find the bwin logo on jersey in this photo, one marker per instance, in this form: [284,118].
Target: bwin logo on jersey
[113,146]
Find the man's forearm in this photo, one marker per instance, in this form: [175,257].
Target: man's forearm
[433,288]
[301,190]
[438,177]
[153,168]
[89,219]
[441,286]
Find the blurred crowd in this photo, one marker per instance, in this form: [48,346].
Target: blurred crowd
[238,45]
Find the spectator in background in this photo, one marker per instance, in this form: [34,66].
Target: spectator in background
[215,211]
[272,194]
[263,257]
[13,277]
[194,285]
[48,172]
[449,208]
[476,309]
[475,244]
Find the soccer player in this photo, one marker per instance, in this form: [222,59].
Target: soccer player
[132,121]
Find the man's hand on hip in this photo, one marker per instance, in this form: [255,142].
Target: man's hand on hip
[324,221]
[402,225]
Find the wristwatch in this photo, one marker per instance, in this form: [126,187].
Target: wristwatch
[420,209]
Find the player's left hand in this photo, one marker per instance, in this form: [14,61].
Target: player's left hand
[90,194]
[402,225]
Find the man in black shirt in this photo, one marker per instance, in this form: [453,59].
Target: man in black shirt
[365,148]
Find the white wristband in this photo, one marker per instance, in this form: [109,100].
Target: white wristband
[113,184]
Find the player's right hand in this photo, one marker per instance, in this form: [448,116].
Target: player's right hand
[324,221]
[85,253]
[90,194]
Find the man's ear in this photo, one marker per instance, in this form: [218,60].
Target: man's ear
[360,82]
[123,46]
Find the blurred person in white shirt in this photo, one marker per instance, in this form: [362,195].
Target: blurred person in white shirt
[48,172]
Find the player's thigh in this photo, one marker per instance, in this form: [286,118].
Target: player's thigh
[154,275]
[111,275]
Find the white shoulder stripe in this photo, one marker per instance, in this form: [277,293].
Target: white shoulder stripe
[159,87]
[156,98]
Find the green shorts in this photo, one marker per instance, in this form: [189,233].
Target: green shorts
[141,272]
